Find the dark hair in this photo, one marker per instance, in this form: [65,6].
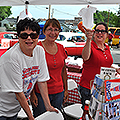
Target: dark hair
[28,23]
[54,22]
[102,23]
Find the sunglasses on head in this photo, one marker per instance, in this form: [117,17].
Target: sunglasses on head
[102,31]
[25,35]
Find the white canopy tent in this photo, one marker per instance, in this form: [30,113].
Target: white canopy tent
[56,2]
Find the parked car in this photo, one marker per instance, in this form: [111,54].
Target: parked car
[116,32]
[2,51]
[8,36]
[73,42]
[7,39]
[112,29]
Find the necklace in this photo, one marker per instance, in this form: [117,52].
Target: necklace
[102,48]
[54,51]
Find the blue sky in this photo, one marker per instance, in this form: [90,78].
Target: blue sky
[60,11]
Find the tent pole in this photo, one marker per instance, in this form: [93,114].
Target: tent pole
[26,7]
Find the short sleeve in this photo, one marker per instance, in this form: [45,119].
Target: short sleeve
[11,80]
[44,74]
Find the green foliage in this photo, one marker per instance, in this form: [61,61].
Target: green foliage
[5,12]
[118,20]
[110,18]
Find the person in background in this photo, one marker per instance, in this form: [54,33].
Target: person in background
[55,57]
[95,54]
[20,68]
[110,36]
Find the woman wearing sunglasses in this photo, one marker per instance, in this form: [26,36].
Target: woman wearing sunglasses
[96,54]
[21,67]
[55,57]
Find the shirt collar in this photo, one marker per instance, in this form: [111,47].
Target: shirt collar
[95,45]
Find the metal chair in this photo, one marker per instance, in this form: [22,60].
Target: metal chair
[75,109]
[50,116]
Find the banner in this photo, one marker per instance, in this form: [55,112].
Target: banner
[112,89]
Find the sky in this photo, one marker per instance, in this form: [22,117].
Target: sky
[59,11]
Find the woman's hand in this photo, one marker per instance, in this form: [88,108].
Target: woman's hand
[89,33]
[66,96]
[33,99]
[51,109]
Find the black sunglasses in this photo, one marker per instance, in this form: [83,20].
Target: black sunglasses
[102,31]
[25,35]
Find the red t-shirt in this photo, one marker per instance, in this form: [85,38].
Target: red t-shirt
[55,64]
[99,58]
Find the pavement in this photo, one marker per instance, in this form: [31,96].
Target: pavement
[116,55]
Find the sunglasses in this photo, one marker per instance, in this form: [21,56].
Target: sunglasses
[102,31]
[25,35]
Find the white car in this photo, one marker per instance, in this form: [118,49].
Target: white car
[73,42]
[70,38]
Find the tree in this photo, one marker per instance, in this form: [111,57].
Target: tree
[98,17]
[5,12]
[105,16]
[117,24]
[110,18]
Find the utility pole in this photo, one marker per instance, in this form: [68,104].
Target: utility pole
[52,12]
[49,11]
[108,17]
